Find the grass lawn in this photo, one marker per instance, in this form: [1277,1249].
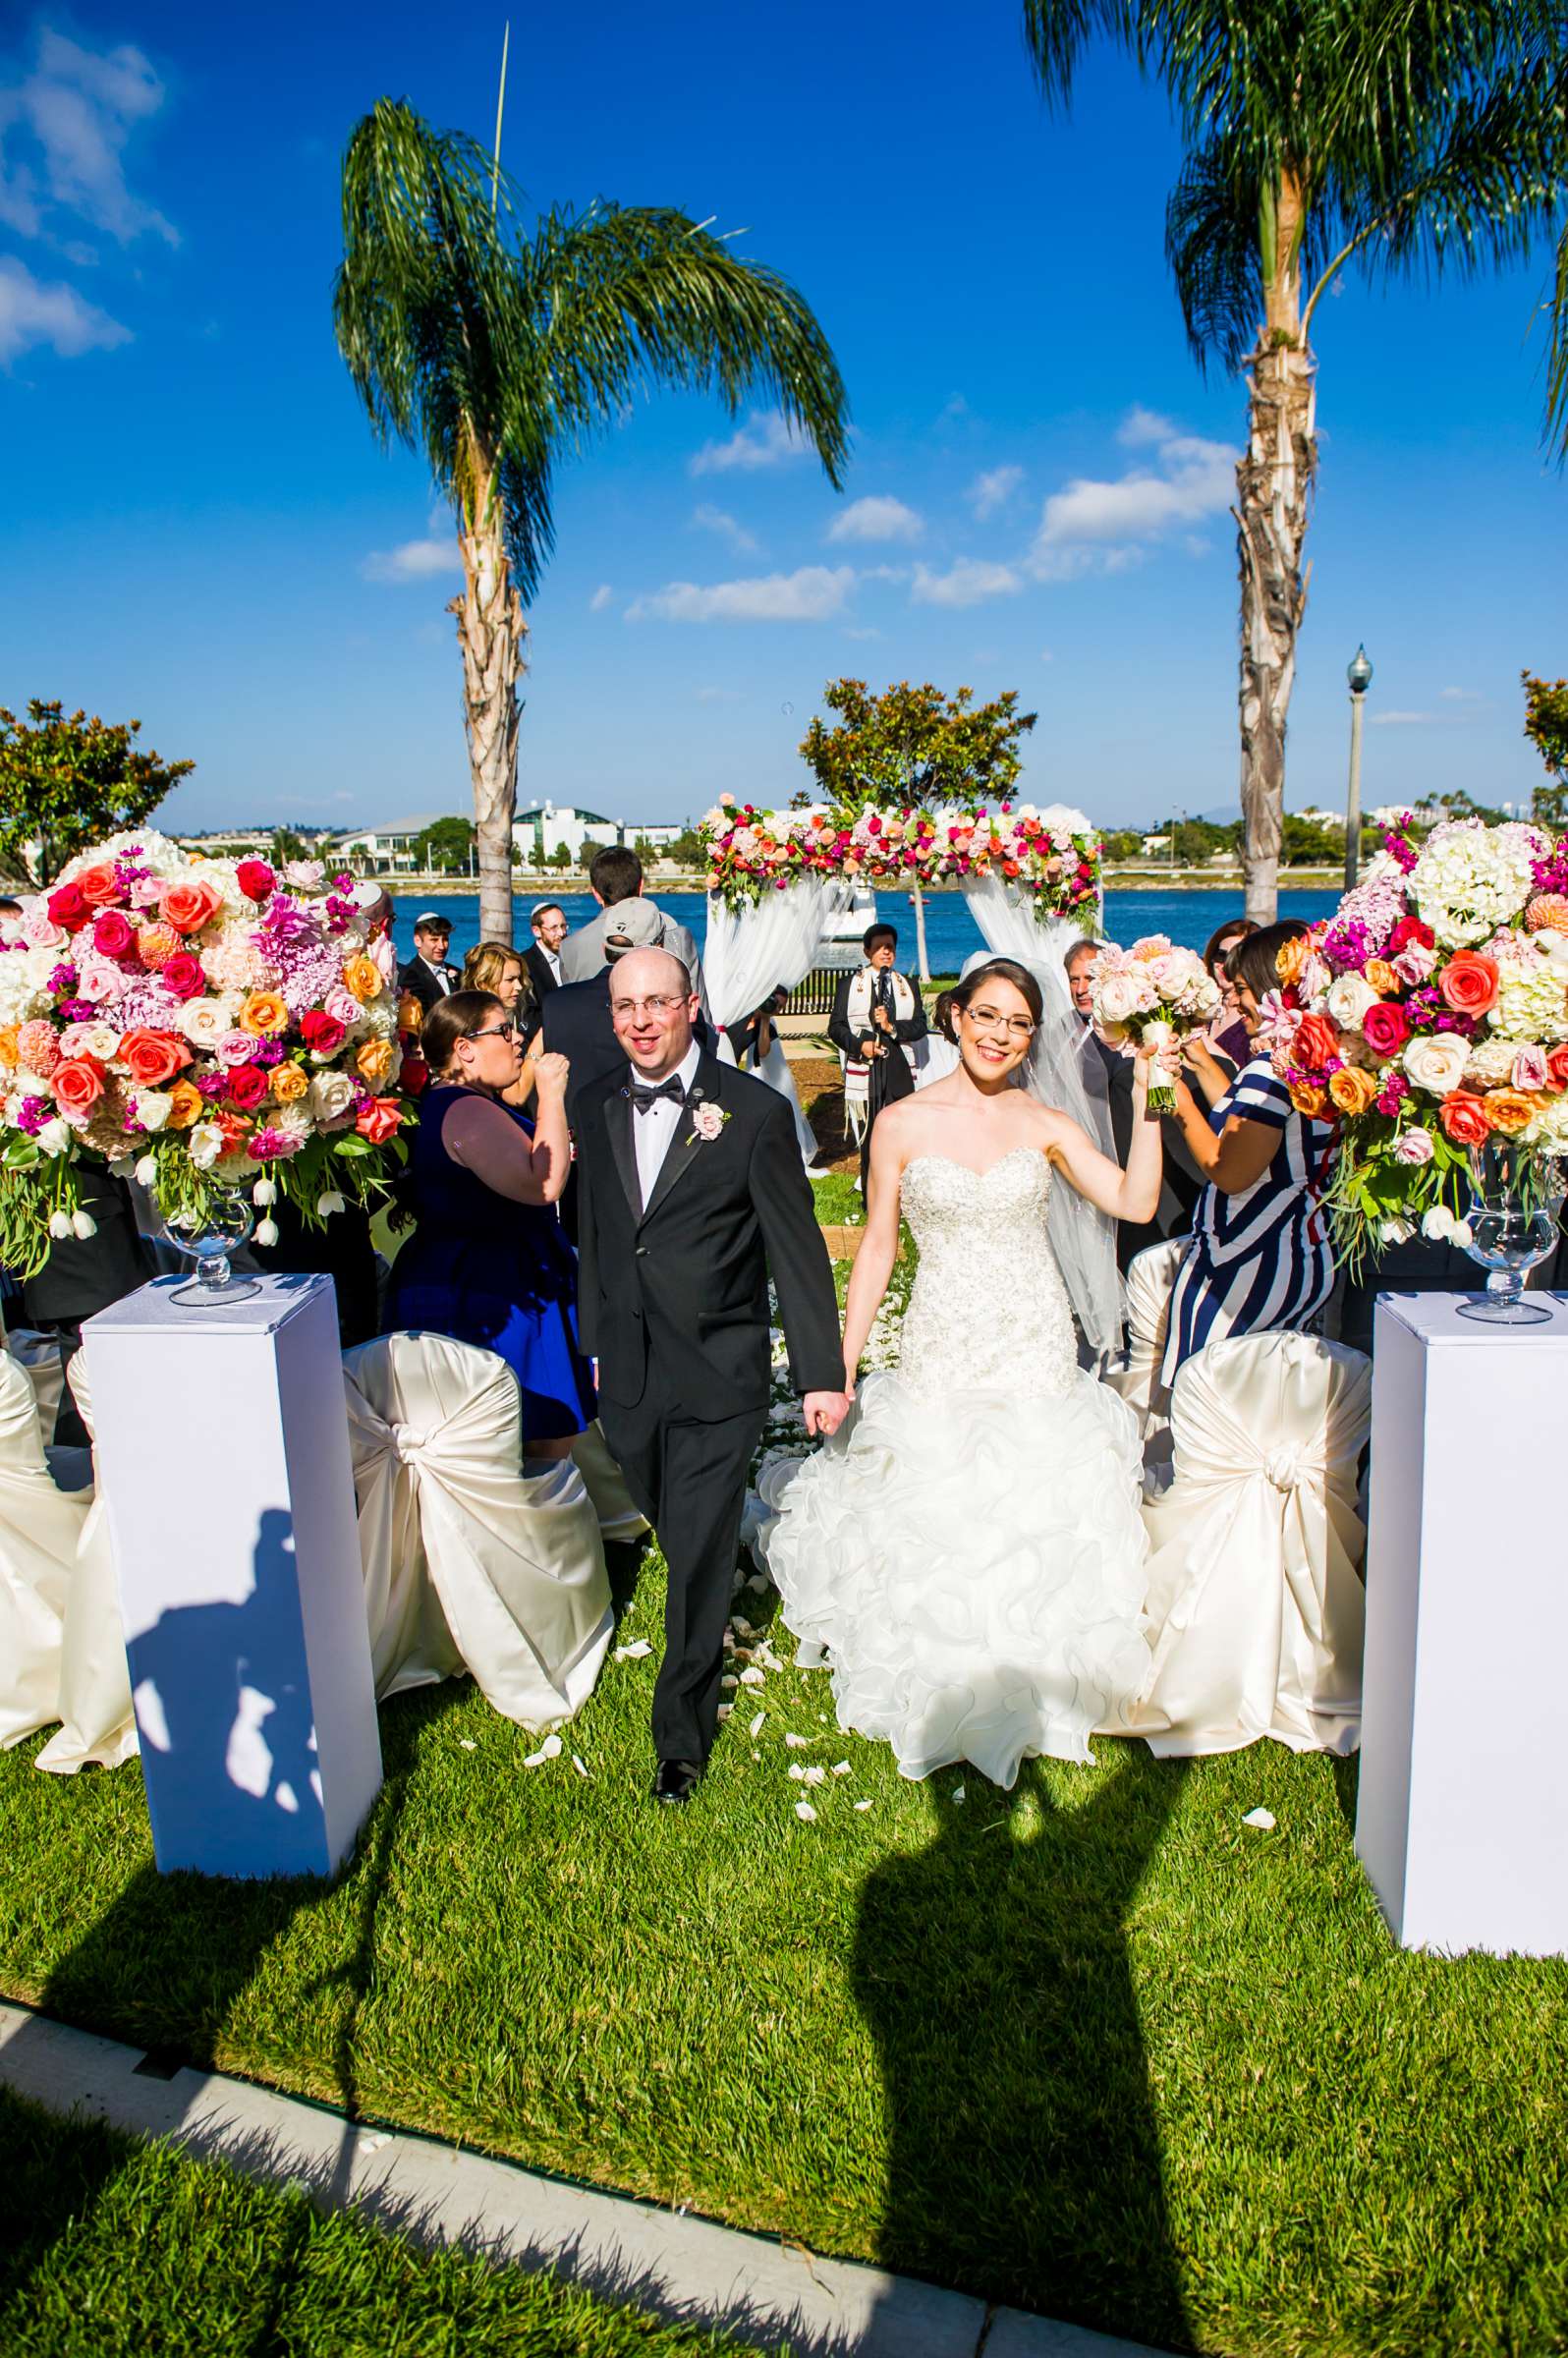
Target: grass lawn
[114,2247]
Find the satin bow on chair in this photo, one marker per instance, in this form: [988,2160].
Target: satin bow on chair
[469,1563]
[40,1354]
[40,1528]
[98,1725]
[1257,1608]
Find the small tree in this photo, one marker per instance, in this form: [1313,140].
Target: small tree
[285,846]
[1547,727]
[561,856]
[445,844]
[912,745]
[66,783]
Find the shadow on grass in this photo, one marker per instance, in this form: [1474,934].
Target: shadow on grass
[993,1971]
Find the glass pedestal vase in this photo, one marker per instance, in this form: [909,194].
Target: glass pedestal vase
[1515,1196]
[208,1239]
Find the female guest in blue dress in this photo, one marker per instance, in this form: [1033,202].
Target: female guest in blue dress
[1258,1257]
[487,1261]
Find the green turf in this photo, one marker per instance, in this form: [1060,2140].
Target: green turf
[111,2247]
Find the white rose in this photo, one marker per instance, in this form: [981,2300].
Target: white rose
[205,1144]
[1118,997]
[1349,998]
[331,1096]
[1437,1063]
[152,1107]
[205,1022]
[54,1138]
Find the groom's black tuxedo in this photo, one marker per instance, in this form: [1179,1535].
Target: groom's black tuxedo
[673,1303]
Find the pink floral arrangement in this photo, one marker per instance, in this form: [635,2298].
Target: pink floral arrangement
[1430,1015]
[1152,996]
[208,1025]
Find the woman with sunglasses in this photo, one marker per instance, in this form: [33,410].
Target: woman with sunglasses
[487,1261]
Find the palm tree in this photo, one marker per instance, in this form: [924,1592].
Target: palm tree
[494,352]
[1403,133]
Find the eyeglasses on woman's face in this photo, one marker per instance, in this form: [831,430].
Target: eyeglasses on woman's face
[506,1030]
[1017,1028]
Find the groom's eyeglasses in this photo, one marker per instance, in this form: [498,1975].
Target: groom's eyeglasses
[657,1008]
[991,1019]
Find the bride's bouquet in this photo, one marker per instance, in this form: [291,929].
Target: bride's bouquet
[1154,995]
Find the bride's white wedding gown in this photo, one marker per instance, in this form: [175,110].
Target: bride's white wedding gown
[968,1546]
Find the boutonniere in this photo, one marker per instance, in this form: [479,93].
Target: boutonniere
[708,1120]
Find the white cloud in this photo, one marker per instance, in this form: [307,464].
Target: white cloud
[965,584]
[993,489]
[1195,478]
[766,439]
[718,695]
[1461,695]
[1416,720]
[728,528]
[33,312]
[415,561]
[80,107]
[876,520]
[810,595]
[600,598]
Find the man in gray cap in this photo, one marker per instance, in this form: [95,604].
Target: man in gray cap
[576,1019]
[615,879]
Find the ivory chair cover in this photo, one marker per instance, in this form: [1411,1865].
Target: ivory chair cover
[1150,1280]
[97,1717]
[467,1561]
[39,1530]
[1258,1613]
[40,1354]
[619,1516]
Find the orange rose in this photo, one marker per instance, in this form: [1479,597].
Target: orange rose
[97,885]
[264,1012]
[290,1082]
[1314,1040]
[1511,1110]
[1469,983]
[378,1120]
[185,1105]
[235,1128]
[1308,1098]
[189,907]
[77,1083]
[363,976]
[372,1060]
[1381,977]
[1351,1089]
[1464,1119]
[1291,956]
[10,1054]
[411,1015]
[153,1057]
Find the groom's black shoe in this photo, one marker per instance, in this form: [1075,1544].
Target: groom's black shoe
[676,1780]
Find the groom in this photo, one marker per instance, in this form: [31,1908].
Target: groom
[692,1196]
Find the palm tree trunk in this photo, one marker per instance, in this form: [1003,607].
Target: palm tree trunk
[490,633]
[1274,481]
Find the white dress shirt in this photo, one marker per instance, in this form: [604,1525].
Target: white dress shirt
[654,1127]
[442,977]
[553,962]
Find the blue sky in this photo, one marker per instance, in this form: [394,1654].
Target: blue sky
[198,528]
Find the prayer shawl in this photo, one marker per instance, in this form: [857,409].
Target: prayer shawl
[857,1072]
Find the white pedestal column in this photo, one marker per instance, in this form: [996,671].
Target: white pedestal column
[1462,1823]
[223,1456]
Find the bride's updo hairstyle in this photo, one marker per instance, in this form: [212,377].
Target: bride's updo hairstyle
[995,970]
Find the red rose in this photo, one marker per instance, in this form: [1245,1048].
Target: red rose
[152,1058]
[1314,1043]
[255,879]
[247,1086]
[1386,1028]
[1464,1119]
[378,1120]
[1469,983]
[184,976]
[1557,1068]
[113,933]
[66,906]
[77,1083]
[322,1034]
[1409,930]
[414,1075]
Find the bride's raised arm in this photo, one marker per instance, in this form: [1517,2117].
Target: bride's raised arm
[1129,1195]
[878,1247]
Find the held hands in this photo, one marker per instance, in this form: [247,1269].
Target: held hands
[824,1412]
[551,1074]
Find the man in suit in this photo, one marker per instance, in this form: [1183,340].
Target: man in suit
[615,876]
[547,924]
[1108,1076]
[876,1015]
[428,973]
[693,1196]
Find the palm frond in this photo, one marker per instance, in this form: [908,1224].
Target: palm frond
[1211,243]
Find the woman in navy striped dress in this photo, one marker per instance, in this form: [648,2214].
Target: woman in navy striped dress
[1258,1257]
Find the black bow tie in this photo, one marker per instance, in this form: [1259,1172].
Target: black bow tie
[642,1096]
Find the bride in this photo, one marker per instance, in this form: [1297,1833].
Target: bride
[967,1548]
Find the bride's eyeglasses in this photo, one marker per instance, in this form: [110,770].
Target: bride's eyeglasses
[1017,1028]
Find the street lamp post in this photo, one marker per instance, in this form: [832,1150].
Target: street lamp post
[1359,673]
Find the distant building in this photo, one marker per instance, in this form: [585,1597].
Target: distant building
[1155,843]
[540,831]
[388,851]
[1321,819]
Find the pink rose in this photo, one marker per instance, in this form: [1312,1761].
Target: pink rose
[1414,1147]
[1414,962]
[113,933]
[233,1048]
[100,981]
[1530,1069]
[40,931]
[708,1121]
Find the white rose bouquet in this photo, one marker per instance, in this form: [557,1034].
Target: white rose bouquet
[1154,995]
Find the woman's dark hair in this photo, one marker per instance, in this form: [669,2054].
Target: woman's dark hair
[995,970]
[1253,961]
[457,1017]
[1234,932]
[874,935]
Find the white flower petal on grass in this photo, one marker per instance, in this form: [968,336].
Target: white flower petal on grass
[1260,1818]
[957,1794]
[579,1763]
[724,1710]
[797,1743]
[549,1750]
[751,1678]
[760,1582]
[805,1812]
[841,1769]
[757,1724]
[814,1777]
[796,1770]
[633,1653]
[728,1680]
[468,1744]
[862,1805]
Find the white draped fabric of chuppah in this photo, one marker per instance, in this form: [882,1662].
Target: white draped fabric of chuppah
[751,953]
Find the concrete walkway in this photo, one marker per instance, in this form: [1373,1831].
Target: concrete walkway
[666,2262]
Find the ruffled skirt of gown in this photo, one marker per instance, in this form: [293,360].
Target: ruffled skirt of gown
[975,1567]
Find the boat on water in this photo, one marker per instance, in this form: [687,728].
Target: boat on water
[851,908]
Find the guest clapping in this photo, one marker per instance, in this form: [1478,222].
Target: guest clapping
[488,1263]
[1260,1257]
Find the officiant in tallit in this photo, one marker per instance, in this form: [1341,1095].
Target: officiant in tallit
[878,1028]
